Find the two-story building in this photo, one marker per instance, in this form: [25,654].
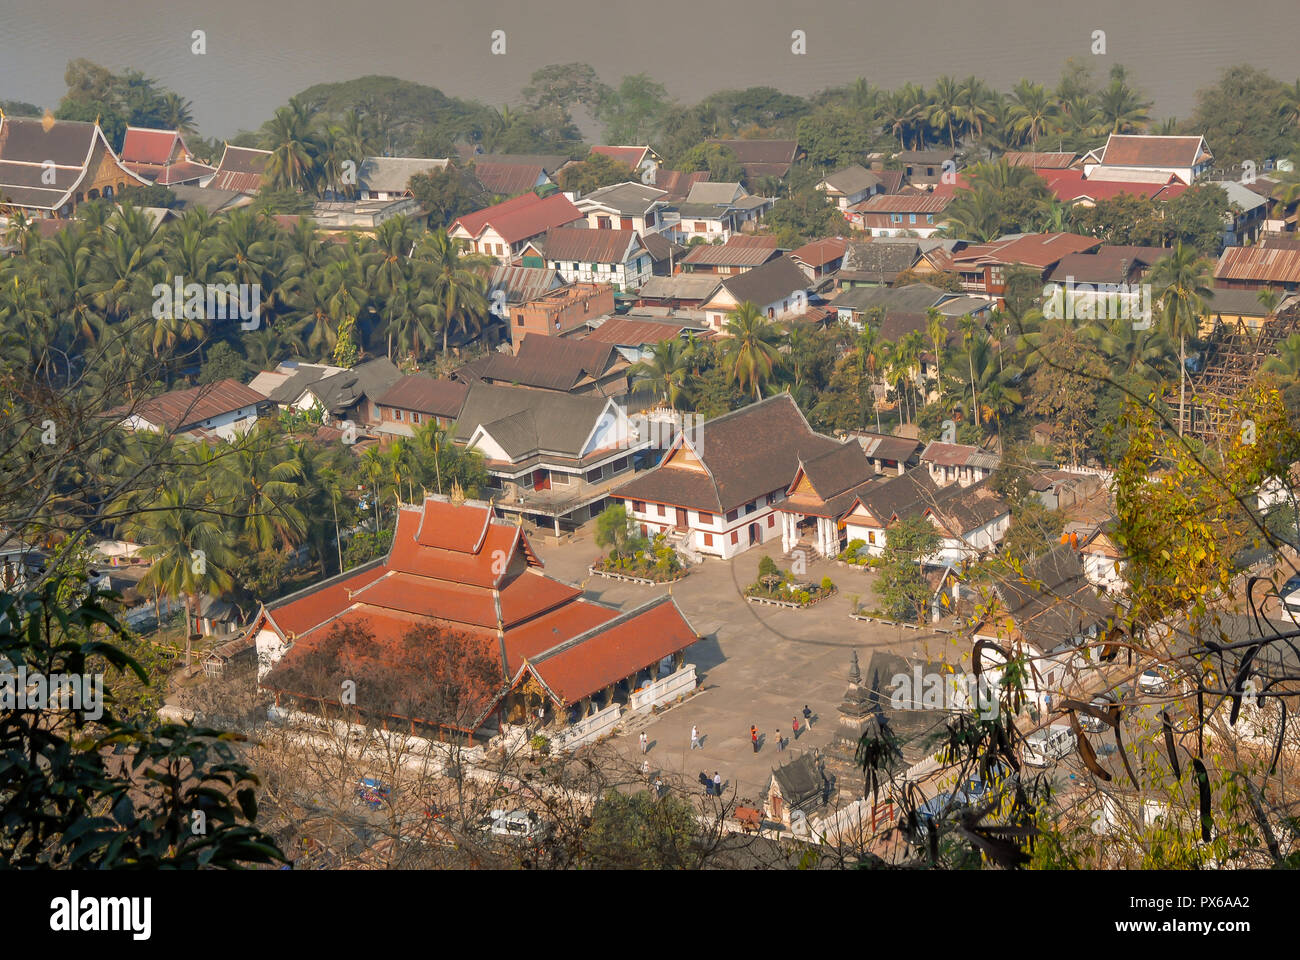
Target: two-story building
[1133,156]
[778,288]
[625,206]
[959,463]
[983,267]
[738,254]
[717,489]
[563,364]
[926,168]
[553,458]
[900,214]
[583,255]
[850,185]
[417,399]
[561,311]
[714,211]
[503,230]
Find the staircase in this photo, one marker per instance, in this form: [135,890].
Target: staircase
[680,540]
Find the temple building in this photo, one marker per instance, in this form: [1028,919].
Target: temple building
[162,157]
[49,167]
[823,491]
[568,665]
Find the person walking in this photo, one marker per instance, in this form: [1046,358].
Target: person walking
[645,769]
[695,738]
[807,717]
[794,722]
[753,736]
[780,744]
[645,742]
[717,784]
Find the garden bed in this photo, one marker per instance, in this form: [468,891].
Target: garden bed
[793,604]
[631,578]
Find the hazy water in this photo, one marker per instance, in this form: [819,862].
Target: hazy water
[260,52]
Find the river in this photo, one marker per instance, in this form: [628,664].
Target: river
[260,52]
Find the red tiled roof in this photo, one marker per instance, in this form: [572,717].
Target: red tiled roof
[628,156]
[631,333]
[615,650]
[183,171]
[180,408]
[585,245]
[820,252]
[143,145]
[1123,150]
[1070,185]
[522,217]
[508,179]
[299,613]
[1035,250]
[449,527]
[241,169]
[542,633]
[903,203]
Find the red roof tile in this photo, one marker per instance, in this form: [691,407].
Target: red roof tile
[628,156]
[182,408]
[521,217]
[820,252]
[142,145]
[1070,185]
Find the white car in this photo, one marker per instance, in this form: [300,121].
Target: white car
[1043,747]
[1153,681]
[513,823]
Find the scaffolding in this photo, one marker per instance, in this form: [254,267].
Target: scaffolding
[1234,355]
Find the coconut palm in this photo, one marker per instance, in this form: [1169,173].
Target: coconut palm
[976,106]
[944,112]
[265,479]
[665,371]
[295,148]
[1120,109]
[1286,364]
[177,113]
[456,285]
[1288,106]
[1031,112]
[752,348]
[1182,288]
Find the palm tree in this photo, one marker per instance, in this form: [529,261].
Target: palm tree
[1288,106]
[265,479]
[454,282]
[177,113]
[1286,364]
[1032,111]
[294,147]
[665,371]
[975,106]
[1182,282]
[752,348]
[1268,299]
[190,553]
[945,111]
[1120,108]
[936,330]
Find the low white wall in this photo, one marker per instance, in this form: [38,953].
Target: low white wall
[588,729]
[678,683]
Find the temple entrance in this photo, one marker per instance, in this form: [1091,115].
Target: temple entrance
[755,534]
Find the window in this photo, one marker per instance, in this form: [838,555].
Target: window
[700,227]
[896,218]
[397,415]
[909,171]
[871,538]
[561,479]
[519,319]
[602,223]
[771,520]
[619,465]
[650,219]
[625,223]
[751,506]
[929,171]
[929,218]
[911,218]
[595,476]
[706,517]
[415,418]
[735,536]
[708,539]
[732,515]
[771,499]
[638,506]
[662,511]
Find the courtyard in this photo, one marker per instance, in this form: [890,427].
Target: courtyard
[757,664]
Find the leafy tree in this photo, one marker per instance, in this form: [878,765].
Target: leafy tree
[1238,117]
[448,193]
[835,137]
[902,587]
[641,832]
[20,108]
[720,161]
[751,349]
[222,362]
[67,802]
[595,172]
[153,195]
[633,113]
[614,531]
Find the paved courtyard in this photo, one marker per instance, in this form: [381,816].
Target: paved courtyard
[757,664]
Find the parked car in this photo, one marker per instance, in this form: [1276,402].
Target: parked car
[373,793]
[1042,747]
[1153,681]
[935,809]
[518,824]
[1096,724]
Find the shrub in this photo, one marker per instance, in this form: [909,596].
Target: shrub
[804,596]
[827,586]
[767,567]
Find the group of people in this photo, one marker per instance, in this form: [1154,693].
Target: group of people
[794,726]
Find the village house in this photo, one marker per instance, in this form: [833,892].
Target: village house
[778,288]
[50,167]
[714,211]
[763,158]
[549,163]
[389,178]
[1040,161]
[417,399]
[821,258]
[1243,308]
[716,491]
[338,216]
[1103,561]
[681,292]
[349,395]
[625,206]
[287,384]
[161,157]
[638,159]
[1243,223]
[1073,188]
[573,664]
[560,311]
[958,463]
[926,168]
[878,262]
[503,230]
[1132,157]
[983,267]
[562,364]
[552,458]
[886,453]
[879,505]
[900,214]
[635,334]
[971,522]
[676,184]
[738,254]
[850,185]
[1107,263]
[511,286]
[225,409]
[583,255]
[242,169]
[900,310]
[1258,268]
[509,179]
